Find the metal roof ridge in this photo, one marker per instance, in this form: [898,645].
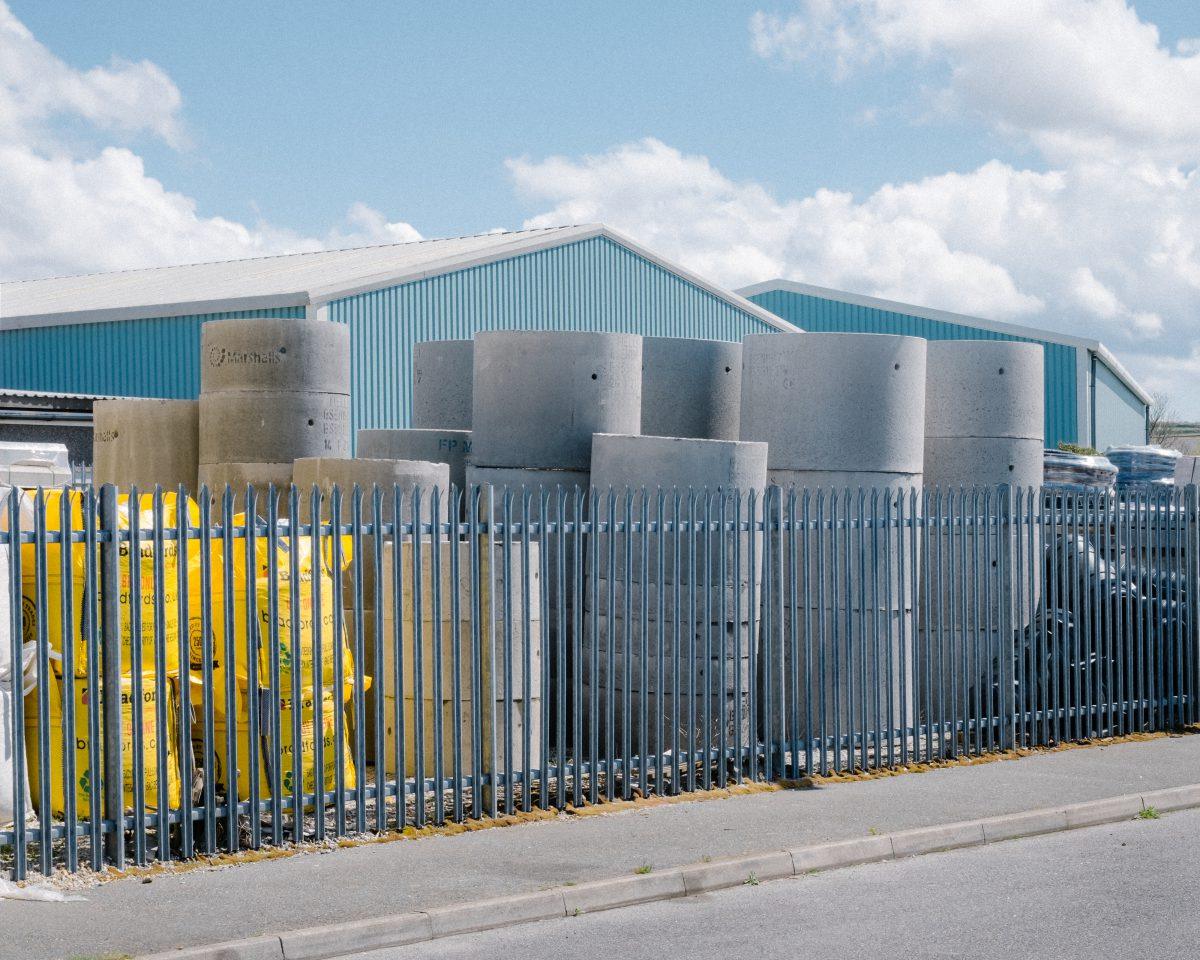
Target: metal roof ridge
[949,316]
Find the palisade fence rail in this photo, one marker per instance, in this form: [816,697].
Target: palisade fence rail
[190,677]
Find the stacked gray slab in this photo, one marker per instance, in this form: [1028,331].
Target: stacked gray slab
[984,437]
[843,416]
[451,447]
[442,380]
[691,388]
[537,399]
[272,391]
[144,442]
[388,476]
[667,619]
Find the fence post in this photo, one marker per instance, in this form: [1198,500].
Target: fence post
[110,636]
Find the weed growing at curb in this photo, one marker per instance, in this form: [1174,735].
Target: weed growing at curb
[873,831]
[644,868]
[751,881]
[1150,813]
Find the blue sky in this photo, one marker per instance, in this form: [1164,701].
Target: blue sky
[1033,161]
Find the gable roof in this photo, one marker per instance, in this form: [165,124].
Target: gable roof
[298,279]
[960,319]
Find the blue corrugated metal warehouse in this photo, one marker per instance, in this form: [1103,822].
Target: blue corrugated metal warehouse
[137,333]
[1090,398]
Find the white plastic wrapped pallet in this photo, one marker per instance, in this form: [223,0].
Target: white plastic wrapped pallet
[11,687]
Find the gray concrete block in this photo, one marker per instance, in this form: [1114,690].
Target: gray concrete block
[703,605]
[538,397]
[844,853]
[538,484]
[269,354]
[451,447]
[340,939]
[827,481]
[623,462]
[691,388]
[951,836]
[442,375]
[736,871]
[695,722]
[701,670]
[971,462]
[501,912]
[144,442]
[326,473]
[835,401]
[623,892]
[984,388]
[273,427]
[237,475]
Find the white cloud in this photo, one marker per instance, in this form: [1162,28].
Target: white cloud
[1095,249]
[1073,76]
[68,208]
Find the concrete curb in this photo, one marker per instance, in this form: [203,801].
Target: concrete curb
[340,939]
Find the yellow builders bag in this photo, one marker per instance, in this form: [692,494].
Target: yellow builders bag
[144,714]
[139,570]
[309,733]
[297,637]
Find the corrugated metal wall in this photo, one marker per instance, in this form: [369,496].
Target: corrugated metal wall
[593,284]
[1118,416]
[136,358]
[821,315]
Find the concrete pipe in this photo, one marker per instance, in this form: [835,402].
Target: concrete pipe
[273,427]
[451,447]
[716,643]
[836,402]
[691,388]
[539,396]
[984,426]
[442,374]
[984,388]
[145,442]
[267,354]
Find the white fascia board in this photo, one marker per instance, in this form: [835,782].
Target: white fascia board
[531,245]
[945,316]
[462,261]
[154,311]
[732,297]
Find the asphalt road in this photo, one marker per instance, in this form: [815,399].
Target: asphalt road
[1125,890]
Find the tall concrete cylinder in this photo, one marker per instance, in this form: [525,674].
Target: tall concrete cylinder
[268,354]
[687,666]
[984,438]
[143,442]
[691,388]
[539,396]
[451,447]
[237,476]
[272,391]
[840,413]
[276,427]
[442,374]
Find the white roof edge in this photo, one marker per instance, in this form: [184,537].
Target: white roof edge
[946,316]
[526,245]
[734,297]
[155,310]
[390,278]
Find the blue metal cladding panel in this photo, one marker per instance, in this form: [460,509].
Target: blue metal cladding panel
[595,284]
[821,315]
[1119,416]
[158,357]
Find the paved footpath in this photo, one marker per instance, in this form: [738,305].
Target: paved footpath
[129,917]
